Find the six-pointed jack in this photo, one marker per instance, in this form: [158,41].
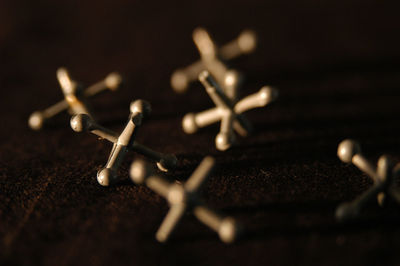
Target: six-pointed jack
[74,97]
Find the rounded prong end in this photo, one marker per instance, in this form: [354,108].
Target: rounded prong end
[347,149]
[81,122]
[268,94]
[113,81]
[385,166]
[208,81]
[247,41]
[189,123]
[199,32]
[169,161]
[68,86]
[204,43]
[232,78]
[224,141]
[228,230]
[61,71]
[142,107]
[139,171]
[161,237]
[36,120]
[346,212]
[203,76]
[179,81]
[385,161]
[381,198]
[106,177]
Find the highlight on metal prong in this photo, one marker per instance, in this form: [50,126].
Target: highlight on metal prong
[140,106]
[347,149]
[81,122]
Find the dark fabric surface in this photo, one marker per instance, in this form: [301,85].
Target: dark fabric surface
[336,64]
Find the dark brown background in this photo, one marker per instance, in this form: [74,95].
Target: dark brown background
[336,64]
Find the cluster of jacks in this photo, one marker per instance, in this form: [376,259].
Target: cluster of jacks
[221,84]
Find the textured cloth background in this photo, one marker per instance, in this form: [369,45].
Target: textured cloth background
[336,64]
